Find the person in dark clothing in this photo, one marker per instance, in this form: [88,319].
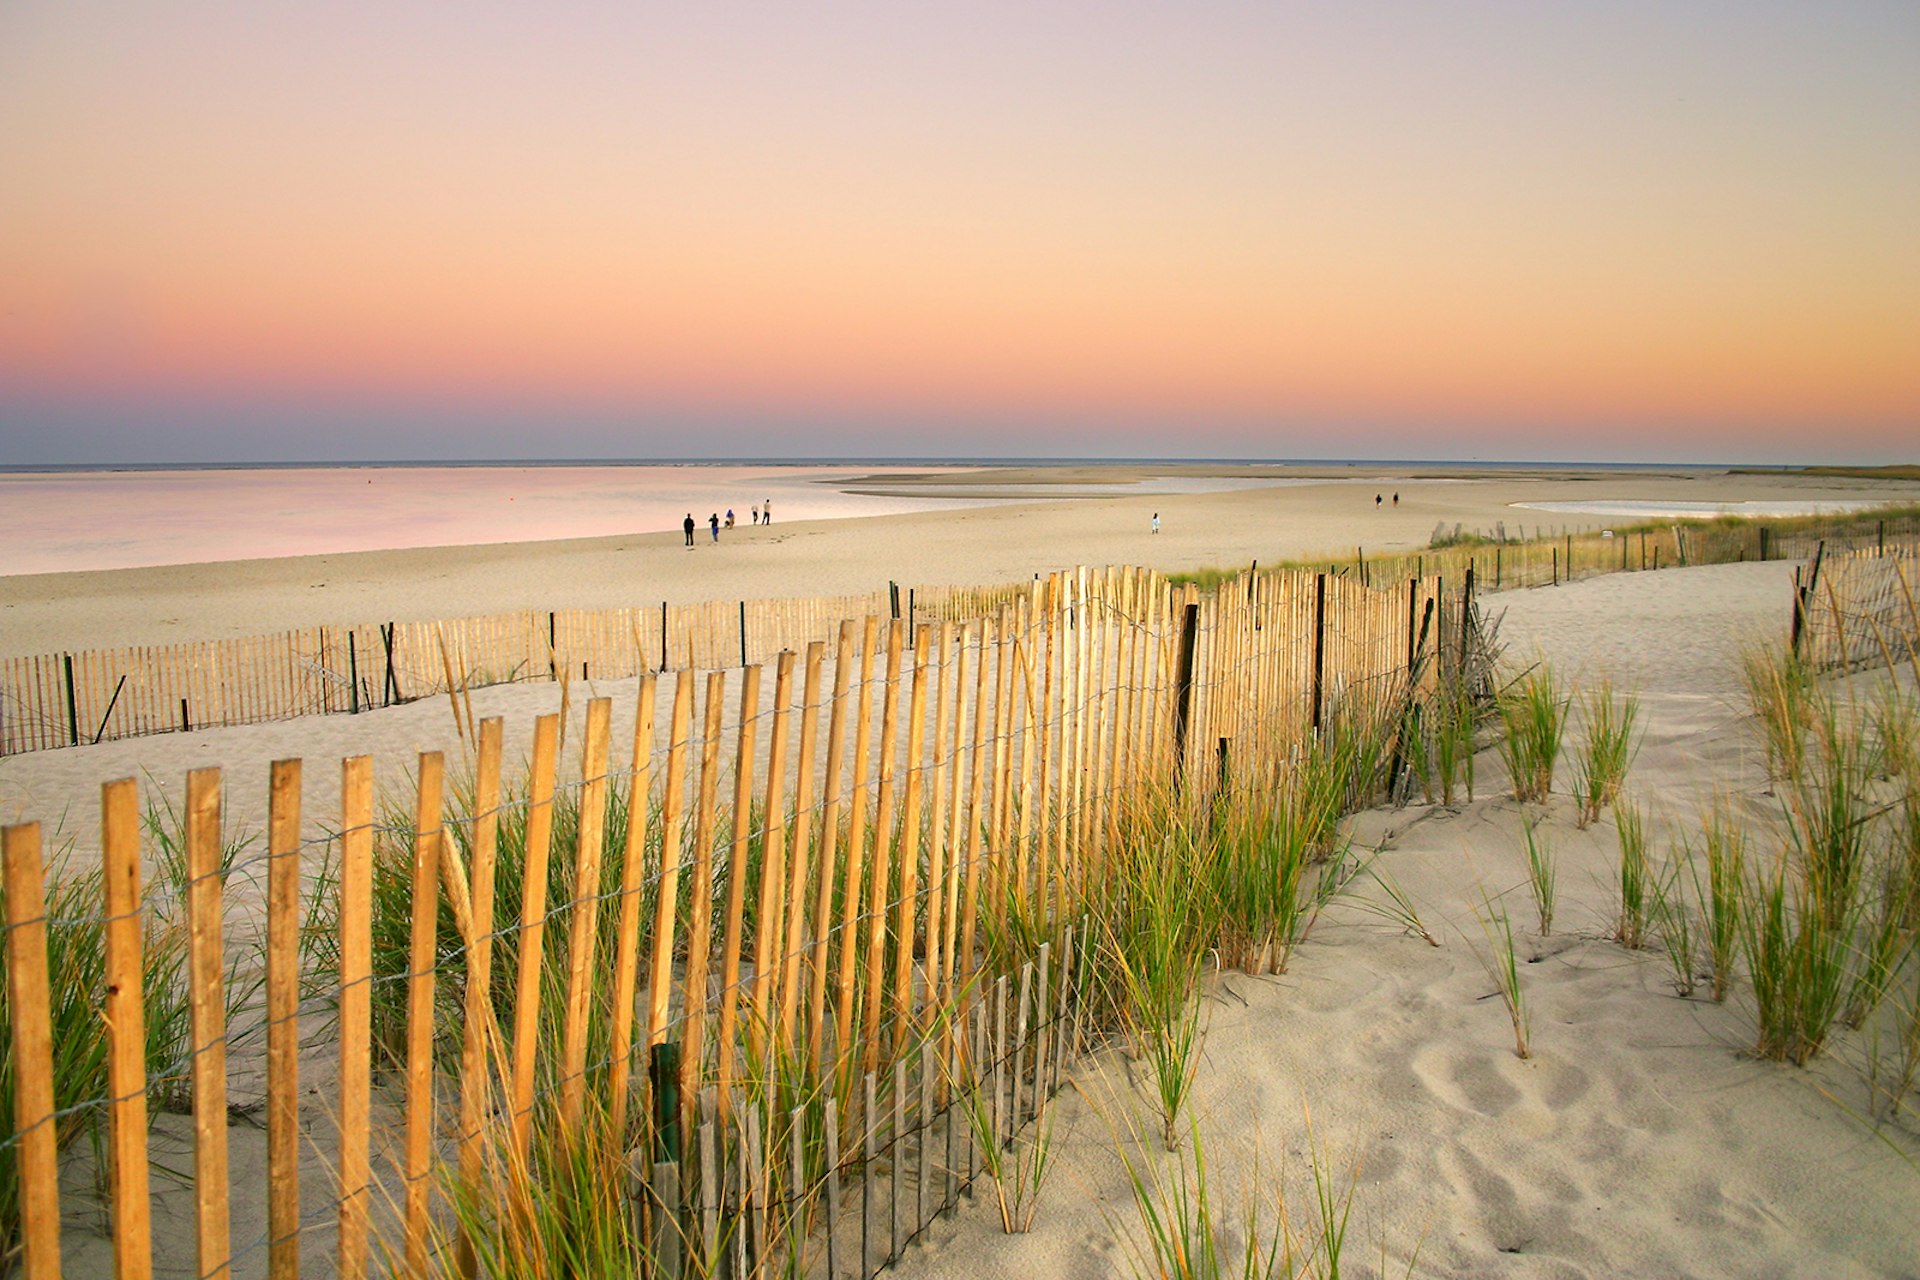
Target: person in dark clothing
[713,522]
[688,526]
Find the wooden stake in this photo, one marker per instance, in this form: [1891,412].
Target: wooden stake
[633,872]
[125,1016]
[769,919]
[418,1168]
[881,880]
[798,845]
[854,881]
[829,843]
[533,926]
[356,966]
[30,995]
[696,984]
[208,1014]
[737,858]
[672,819]
[283,1031]
[585,934]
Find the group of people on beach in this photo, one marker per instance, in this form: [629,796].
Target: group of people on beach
[762,514]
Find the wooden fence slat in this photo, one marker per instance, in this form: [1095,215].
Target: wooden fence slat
[769,919]
[480,1028]
[533,926]
[356,1007]
[633,869]
[30,993]
[697,980]
[585,910]
[881,879]
[283,1031]
[798,846]
[667,899]
[737,859]
[417,1169]
[207,1012]
[126,1030]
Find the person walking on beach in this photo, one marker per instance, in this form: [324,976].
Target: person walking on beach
[1396,499]
[1156,522]
[766,512]
[688,526]
[713,522]
[756,515]
[1376,499]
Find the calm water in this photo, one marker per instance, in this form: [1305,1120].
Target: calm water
[66,520]
[1758,509]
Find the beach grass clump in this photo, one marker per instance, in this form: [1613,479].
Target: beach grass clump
[1533,721]
[1542,872]
[1601,766]
[1153,936]
[1501,961]
[1017,1168]
[1396,906]
[1455,717]
[1784,695]
[1797,958]
[560,1209]
[1185,1235]
[1630,928]
[1724,842]
[1674,919]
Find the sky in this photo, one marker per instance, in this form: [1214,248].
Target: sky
[304,231]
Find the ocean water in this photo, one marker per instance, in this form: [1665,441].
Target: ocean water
[1758,509]
[60,521]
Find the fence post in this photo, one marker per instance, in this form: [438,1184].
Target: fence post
[743,633]
[1556,566]
[893,599]
[663,635]
[1413,605]
[353,672]
[1882,541]
[1466,616]
[664,1185]
[553,647]
[1183,689]
[1319,644]
[1763,542]
[73,708]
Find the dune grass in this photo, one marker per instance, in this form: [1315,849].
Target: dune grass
[1533,721]
[1502,964]
[1782,692]
[1630,926]
[1607,751]
[1542,872]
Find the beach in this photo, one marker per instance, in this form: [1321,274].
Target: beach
[1641,1138]
[1309,511]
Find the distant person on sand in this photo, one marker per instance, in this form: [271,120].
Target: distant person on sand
[766,512]
[1376,499]
[1396,499]
[756,515]
[688,526]
[730,516]
[713,522]
[1156,522]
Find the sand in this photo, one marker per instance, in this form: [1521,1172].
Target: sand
[1639,1140]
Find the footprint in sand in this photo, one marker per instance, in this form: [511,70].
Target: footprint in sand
[1467,1082]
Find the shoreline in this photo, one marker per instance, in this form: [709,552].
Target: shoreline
[985,545]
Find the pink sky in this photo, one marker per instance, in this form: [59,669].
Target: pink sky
[352,230]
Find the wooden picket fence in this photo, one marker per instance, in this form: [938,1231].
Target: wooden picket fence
[890,908]
[1858,608]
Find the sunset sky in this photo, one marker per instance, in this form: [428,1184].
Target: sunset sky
[234,232]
